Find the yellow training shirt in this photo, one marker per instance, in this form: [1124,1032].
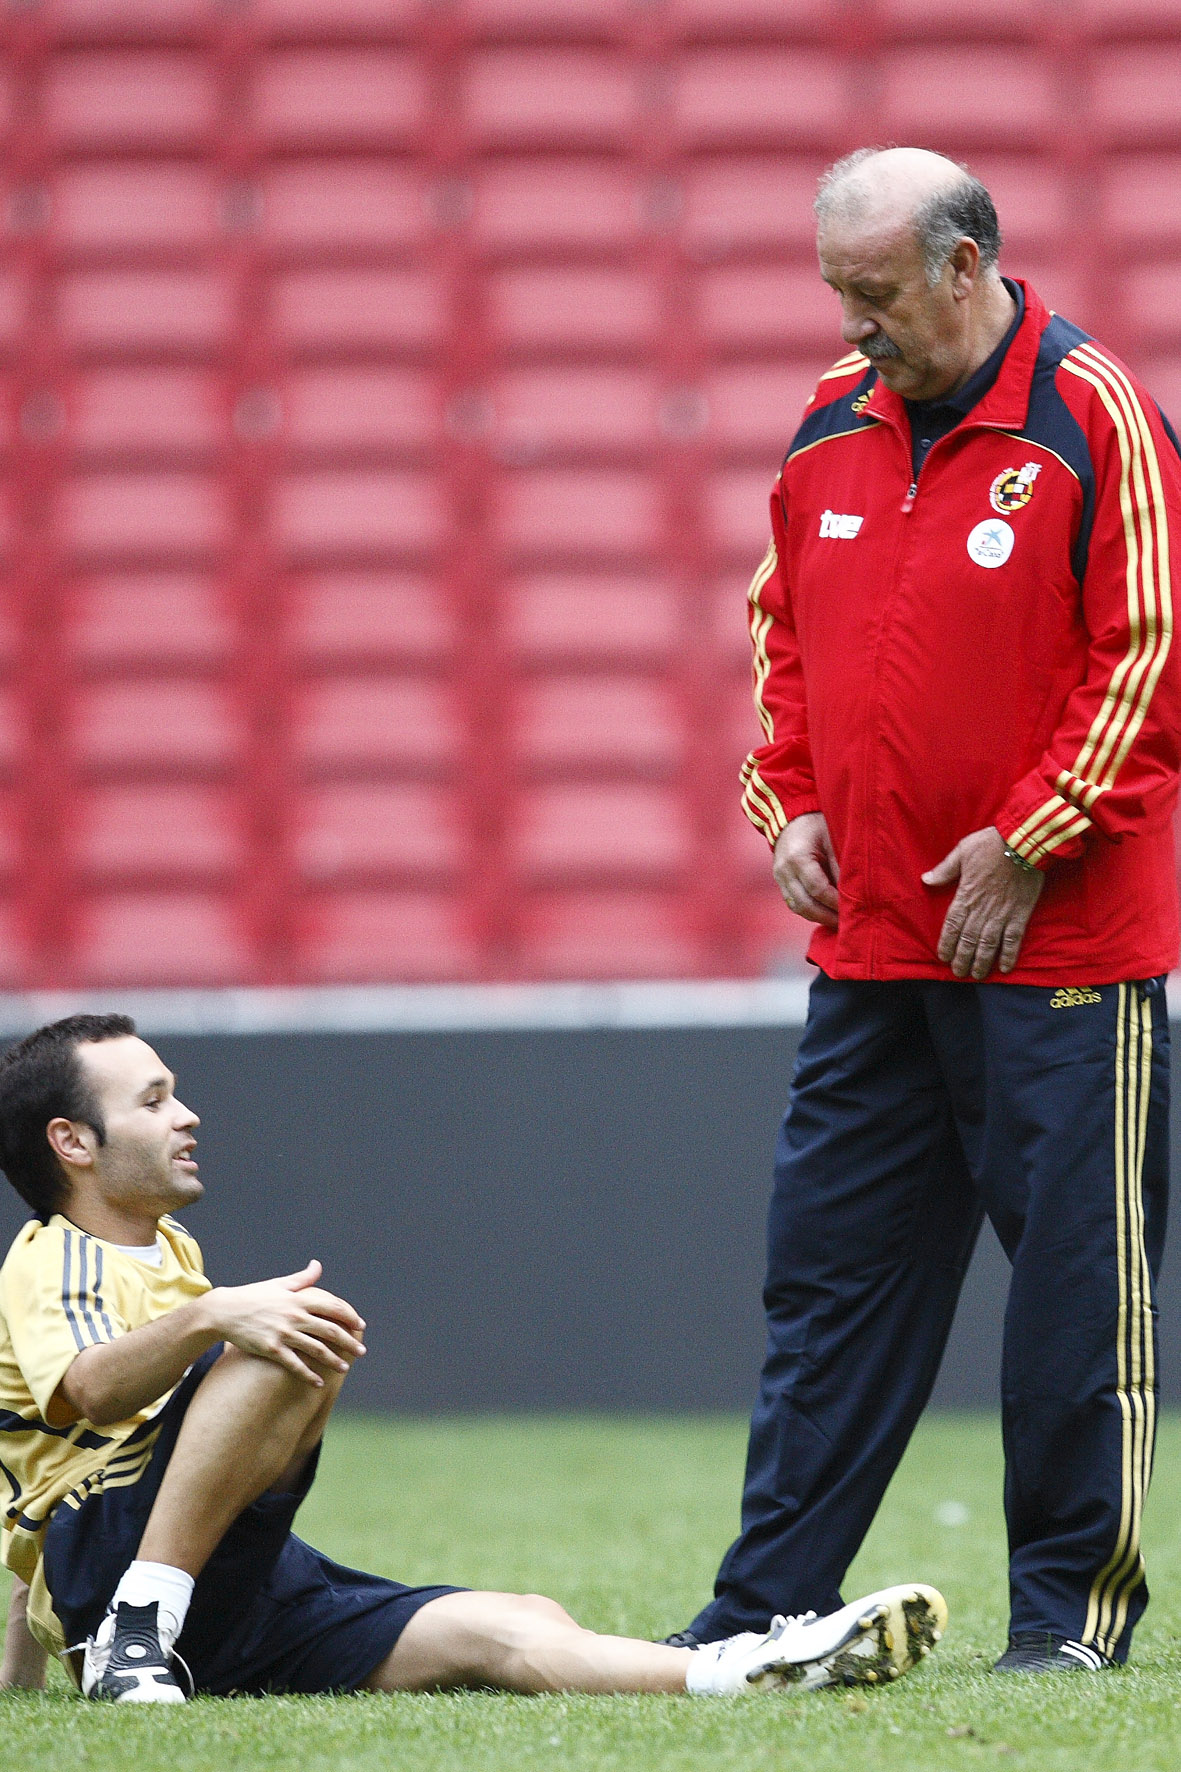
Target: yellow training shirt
[61,1291]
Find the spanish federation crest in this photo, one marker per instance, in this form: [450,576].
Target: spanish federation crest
[1013,489]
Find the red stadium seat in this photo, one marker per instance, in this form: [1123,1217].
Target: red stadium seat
[138,20]
[378,829]
[574,724]
[14,736]
[609,934]
[556,203]
[781,305]
[146,411]
[992,95]
[345,408]
[351,310]
[163,515]
[733,204]
[599,831]
[589,617]
[738,96]
[738,728]
[335,18]
[10,851]
[756,408]
[1103,17]
[158,619]
[1136,94]
[8,108]
[1063,283]
[177,832]
[975,17]
[130,99]
[311,98]
[545,17]
[737,511]
[562,512]
[540,410]
[374,937]
[549,97]
[136,312]
[14,950]
[9,631]
[12,308]
[163,938]
[729,634]
[336,618]
[357,511]
[128,206]
[362,724]
[1162,377]
[734,18]
[1033,199]
[748,853]
[573,307]
[1140,199]
[319,205]
[167,726]
[771,939]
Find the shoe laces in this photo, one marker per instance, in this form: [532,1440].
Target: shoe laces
[780,1622]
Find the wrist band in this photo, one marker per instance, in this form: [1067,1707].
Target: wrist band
[1027,867]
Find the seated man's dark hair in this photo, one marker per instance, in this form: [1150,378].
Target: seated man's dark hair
[41,1079]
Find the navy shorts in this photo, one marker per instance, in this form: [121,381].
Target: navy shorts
[269,1613]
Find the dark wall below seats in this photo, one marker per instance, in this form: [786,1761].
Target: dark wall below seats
[528,1221]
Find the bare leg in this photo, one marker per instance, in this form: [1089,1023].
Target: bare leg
[250,1427]
[520,1643]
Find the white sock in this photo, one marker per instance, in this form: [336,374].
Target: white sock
[701,1676]
[172,1589]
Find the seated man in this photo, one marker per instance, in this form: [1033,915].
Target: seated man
[158,1434]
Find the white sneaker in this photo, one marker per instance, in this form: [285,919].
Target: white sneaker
[128,1660]
[870,1642]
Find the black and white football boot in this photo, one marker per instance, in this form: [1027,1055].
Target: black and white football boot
[868,1643]
[129,1660]
[1038,1652]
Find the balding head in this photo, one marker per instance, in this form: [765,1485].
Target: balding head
[885,191]
[909,241]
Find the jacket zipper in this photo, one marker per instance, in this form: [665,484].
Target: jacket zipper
[906,507]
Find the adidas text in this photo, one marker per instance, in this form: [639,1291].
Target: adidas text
[1072,996]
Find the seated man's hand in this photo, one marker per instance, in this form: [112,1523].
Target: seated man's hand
[291,1321]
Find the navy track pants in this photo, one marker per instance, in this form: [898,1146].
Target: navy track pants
[916,1107]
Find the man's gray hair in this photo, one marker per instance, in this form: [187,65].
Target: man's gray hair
[962,210]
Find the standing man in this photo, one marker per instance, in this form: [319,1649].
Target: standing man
[971,710]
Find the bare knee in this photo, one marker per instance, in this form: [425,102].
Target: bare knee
[465,1639]
[235,1364]
[544,1608]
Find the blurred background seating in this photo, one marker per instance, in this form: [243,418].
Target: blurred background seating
[393,391]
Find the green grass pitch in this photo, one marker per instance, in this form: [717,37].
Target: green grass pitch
[623,1520]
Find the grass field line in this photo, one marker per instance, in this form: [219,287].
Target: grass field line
[623,1519]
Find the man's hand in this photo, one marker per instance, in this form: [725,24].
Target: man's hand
[288,1320]
[291,1321]
[806,870]
[991,908]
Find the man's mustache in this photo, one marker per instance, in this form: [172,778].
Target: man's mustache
[879,348]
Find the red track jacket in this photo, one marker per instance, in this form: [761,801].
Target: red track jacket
[989,646]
